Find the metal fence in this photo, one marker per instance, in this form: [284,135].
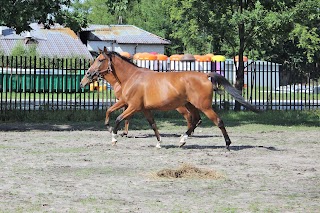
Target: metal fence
[54,84]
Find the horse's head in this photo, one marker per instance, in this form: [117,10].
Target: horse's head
[100,67]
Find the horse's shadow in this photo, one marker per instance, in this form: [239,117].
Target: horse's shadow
[166,135]
[196,146]
[232,148]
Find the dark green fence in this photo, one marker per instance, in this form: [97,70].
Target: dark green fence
[40,80]
[33,84]
[53,84]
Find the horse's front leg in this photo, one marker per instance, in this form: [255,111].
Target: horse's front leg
[153,125]
[126,114]
[126,126]
[114,107]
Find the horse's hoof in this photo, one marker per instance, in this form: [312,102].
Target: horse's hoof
[110,129]
[124,134]
[228,148]
[114,143]
[158,146]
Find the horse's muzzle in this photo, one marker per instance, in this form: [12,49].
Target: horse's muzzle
[84,82]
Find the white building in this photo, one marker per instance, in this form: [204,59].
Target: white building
[122,38]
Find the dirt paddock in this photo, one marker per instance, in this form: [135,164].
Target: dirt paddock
[269,169]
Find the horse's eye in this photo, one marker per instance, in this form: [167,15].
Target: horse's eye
[88,73]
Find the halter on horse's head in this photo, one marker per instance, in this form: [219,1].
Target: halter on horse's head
[101,66]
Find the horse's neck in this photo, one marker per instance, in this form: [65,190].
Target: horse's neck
[123,70]
[111,79]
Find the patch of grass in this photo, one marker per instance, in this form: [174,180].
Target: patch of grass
[254,207]
[259,207]
[95,118]
[155,204]
[87,172]
[6,147]
[68,150]
[180,209]
[275,118]
[229,210]
[53,116]
[27,208]
[89,200]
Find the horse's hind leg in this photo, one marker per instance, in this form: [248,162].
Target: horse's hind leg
[196,120]
[152,123]
[192,116]
[126,127]
[186,114]
[218,122]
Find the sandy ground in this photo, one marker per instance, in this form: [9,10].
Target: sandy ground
[73,170]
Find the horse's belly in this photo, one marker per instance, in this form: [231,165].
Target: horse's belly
[164,104]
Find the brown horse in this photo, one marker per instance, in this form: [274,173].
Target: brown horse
[121,103]
[145,91]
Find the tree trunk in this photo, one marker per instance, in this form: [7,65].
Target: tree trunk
[240,70]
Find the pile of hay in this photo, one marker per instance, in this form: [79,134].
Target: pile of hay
[188,171]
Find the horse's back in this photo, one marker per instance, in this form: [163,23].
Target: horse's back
[174,76]
[166,91]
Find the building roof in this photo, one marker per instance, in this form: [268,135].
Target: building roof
[123,34]
[57,41]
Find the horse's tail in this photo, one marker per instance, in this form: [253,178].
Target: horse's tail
[217,78]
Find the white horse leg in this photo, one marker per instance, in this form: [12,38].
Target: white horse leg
[114,138]
[183,139]
[159,144]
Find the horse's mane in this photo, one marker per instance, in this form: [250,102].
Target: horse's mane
[111,53]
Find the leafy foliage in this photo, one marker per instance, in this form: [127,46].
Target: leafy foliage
[18,14]
[282,31]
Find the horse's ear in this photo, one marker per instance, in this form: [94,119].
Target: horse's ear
[100,50]
[105,50]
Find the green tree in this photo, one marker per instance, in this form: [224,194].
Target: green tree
[190,24]
[290,36]
[18,14]
[21,50]
[284,30]
[74,16]
[150,16]
[97,10]
[23,55]
[106,11]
